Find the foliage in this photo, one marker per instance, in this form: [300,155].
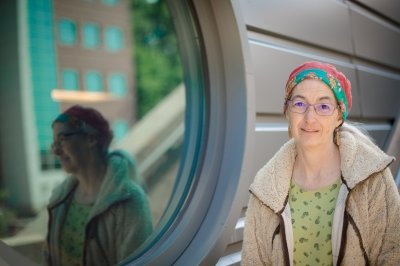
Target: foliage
[156,54]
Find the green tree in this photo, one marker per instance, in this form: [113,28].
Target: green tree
[156,54]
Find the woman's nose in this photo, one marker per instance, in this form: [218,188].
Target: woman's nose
[310,112]
[56,148]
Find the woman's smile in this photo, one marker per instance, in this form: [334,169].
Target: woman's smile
[309,130]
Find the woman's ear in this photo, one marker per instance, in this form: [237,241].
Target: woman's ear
[339,119]
[92,140]
[285,111]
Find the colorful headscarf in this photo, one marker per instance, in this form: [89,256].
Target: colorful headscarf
[88,120]
[334,79]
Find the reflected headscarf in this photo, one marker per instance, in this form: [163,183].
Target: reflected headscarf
[87,120]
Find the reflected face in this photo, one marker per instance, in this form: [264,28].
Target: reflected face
[71,147]
[312,129]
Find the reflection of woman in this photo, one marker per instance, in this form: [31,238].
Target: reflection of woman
[327,196]
[98,215]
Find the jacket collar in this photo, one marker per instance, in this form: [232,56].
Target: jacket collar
[272,182]
[360,158]
[117,185]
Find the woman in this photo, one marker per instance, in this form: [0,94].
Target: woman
[327,196]
[99,215]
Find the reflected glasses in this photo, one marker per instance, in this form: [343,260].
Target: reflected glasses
[300,107]
[62,137]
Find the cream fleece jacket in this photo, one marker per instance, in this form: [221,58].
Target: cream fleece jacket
[366,223]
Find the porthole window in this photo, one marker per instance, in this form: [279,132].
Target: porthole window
[150,84]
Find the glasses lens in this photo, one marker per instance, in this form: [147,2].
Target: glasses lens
[62,137]
[298,106]
[324,108]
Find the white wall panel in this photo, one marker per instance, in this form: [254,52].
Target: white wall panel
[322,23]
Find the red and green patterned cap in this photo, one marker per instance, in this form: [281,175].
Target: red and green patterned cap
[334,79]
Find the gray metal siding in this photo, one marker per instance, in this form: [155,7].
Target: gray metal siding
[387,8]
[374,38]
[313,21]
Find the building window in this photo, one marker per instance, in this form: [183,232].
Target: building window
[67,31]
[94,81]
[117,84]
[120,128]
[70,79]
[114,39]
[110,2]
[91,35]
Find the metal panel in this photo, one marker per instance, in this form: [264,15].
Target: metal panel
[380,136]
[380,94]
[269,138]
[388,8]
[272,65]
[375,39]
[322,23]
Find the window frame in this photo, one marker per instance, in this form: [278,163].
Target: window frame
[199,222]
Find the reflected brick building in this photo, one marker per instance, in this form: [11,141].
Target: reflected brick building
[57,53]
[94,58]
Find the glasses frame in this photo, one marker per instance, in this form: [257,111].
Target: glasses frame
[64,136]
[314,106]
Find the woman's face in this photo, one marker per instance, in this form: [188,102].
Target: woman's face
[71,146]
[310,129]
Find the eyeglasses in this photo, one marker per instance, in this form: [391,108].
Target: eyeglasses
[62,137]
[300,107]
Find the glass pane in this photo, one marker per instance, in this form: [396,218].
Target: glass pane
[91,35]
[114,39]
[139,90]
[110,2]
[120,129]
[70,79]
[67,31]
[117,84]
[94,81]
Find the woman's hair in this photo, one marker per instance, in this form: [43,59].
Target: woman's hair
[89,121]
[354,126]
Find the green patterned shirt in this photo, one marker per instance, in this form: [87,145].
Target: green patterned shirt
[312,215]
[73,233]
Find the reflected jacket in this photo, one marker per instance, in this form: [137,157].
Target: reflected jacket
[366,221]
[119,221]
